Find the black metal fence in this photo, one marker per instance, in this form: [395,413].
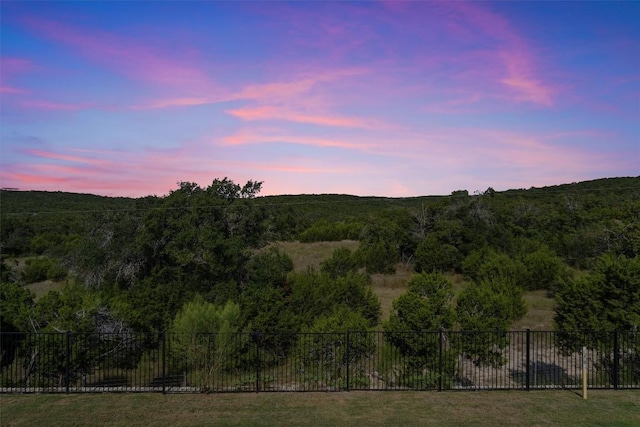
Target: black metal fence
[256,362]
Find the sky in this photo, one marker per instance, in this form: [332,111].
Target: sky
[392,99]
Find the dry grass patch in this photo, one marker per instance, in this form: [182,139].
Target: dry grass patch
[310,255]
[540,312]
[388,287]
[40,289]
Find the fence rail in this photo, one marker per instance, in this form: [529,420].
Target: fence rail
[353,360]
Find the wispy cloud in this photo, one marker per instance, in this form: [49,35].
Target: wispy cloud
[145,62]
[519,62]
[246,137]
[175,103]
[275,113]
[53,106]
[65,157]
[12,90]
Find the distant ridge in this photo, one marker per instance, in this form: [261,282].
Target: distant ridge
[329,206]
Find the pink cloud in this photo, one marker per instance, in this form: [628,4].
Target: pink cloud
[270,113]
[65,157]
[175,103]
[520,78]
[12,90]
[296,91]
[113,172]
[9,67]
[296,86]
[54,106]
[483,53]
[265,137]
[518,60]
[13,65]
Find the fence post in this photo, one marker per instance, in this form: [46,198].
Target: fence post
[440,364]
[616,359]
[164,361]
[347,359]
[67,361]
[528,359]
[257,341]
[585,377]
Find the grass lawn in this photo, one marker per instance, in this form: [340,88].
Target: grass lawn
[516,408]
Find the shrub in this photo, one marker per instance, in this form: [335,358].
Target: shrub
[432,255]
[340,264]
[378,257]
[39,269]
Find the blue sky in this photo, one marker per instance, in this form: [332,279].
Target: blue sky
[366,98]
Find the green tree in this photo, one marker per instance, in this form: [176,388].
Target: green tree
[193,241]
[486,309]
[543,270]
[383,241]
[81,319]
[605,300]
[265,303]
[207,339]
[341,263]
[332,343]
[415,325]
[315,295]
[16,314]
[433,255]
[16,307]
[426,306]
[268,268]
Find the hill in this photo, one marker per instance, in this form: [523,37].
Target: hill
[332,207]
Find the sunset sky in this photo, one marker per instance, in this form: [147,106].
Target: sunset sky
[366,98]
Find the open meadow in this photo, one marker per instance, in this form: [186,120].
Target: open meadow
[539,408]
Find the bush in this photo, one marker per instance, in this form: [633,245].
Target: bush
[39,269]
[543,270]
[269,268]
[432,255]
[378,257]
[426,306]
[340,264]
[488,306]
[337,340]
[208,339]
[316,295]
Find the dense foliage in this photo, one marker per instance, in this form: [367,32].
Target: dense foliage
[148,264]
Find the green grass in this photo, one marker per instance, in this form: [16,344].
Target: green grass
[539,408]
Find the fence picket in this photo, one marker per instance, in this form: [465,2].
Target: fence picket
[352,360]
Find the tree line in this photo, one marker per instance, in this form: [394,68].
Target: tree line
[199,257]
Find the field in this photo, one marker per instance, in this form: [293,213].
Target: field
[540,408]
[540,308]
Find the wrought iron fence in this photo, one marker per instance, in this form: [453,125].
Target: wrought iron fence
[353,360]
